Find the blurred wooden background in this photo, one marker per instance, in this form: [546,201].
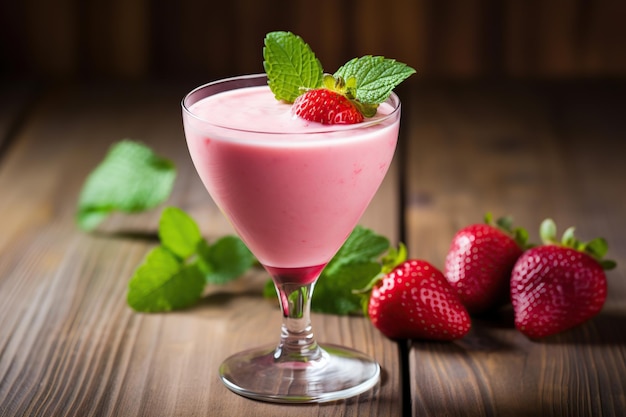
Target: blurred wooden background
[205,39]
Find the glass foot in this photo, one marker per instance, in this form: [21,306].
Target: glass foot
[339,373]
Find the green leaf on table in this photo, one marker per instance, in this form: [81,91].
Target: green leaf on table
[164,283]
[174,274]
[179,232]
[226,259]
[356,263]
[334,291]
[130,179]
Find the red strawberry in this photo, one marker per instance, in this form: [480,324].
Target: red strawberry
[558,285]
[479,262]
[414,301]
[326,106]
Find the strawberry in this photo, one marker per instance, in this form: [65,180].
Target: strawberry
[414,301]
[326,106]
[479,263]
[558,285]
[333,103]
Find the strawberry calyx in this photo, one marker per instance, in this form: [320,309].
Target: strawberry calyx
[505,224]
[348,89]
[390,261]
[393,258]
[340,85]
[596,248]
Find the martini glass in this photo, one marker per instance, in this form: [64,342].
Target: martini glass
[293,193]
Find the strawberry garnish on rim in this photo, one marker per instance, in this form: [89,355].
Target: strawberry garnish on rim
[326,107]
[334,103]
[353,92]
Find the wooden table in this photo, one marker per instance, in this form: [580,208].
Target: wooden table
[70,346]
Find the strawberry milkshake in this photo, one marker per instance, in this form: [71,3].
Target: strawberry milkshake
[292,158]
[292,189]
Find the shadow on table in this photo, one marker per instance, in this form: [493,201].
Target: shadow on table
[496,332]
[607,328]
[140,235]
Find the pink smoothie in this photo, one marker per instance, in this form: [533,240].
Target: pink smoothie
[293,190]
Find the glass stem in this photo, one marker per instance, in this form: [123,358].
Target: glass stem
[297,342]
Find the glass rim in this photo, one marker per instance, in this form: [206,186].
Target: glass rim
[393,100]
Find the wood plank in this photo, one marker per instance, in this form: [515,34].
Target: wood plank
[69,344]
[531,151]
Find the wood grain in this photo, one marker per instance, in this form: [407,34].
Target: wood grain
[531,151]
[69,344]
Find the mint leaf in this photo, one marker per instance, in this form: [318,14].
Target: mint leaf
[353,267]
[131,178]
[334,290]
[179,232]
[164,283]
[226,259]
[375,76]
[363,245]
[290,65]
[174,274]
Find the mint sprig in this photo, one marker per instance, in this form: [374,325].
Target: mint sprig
[376,77]
[290,65]
[174,274]
[130,179]
[292,68]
